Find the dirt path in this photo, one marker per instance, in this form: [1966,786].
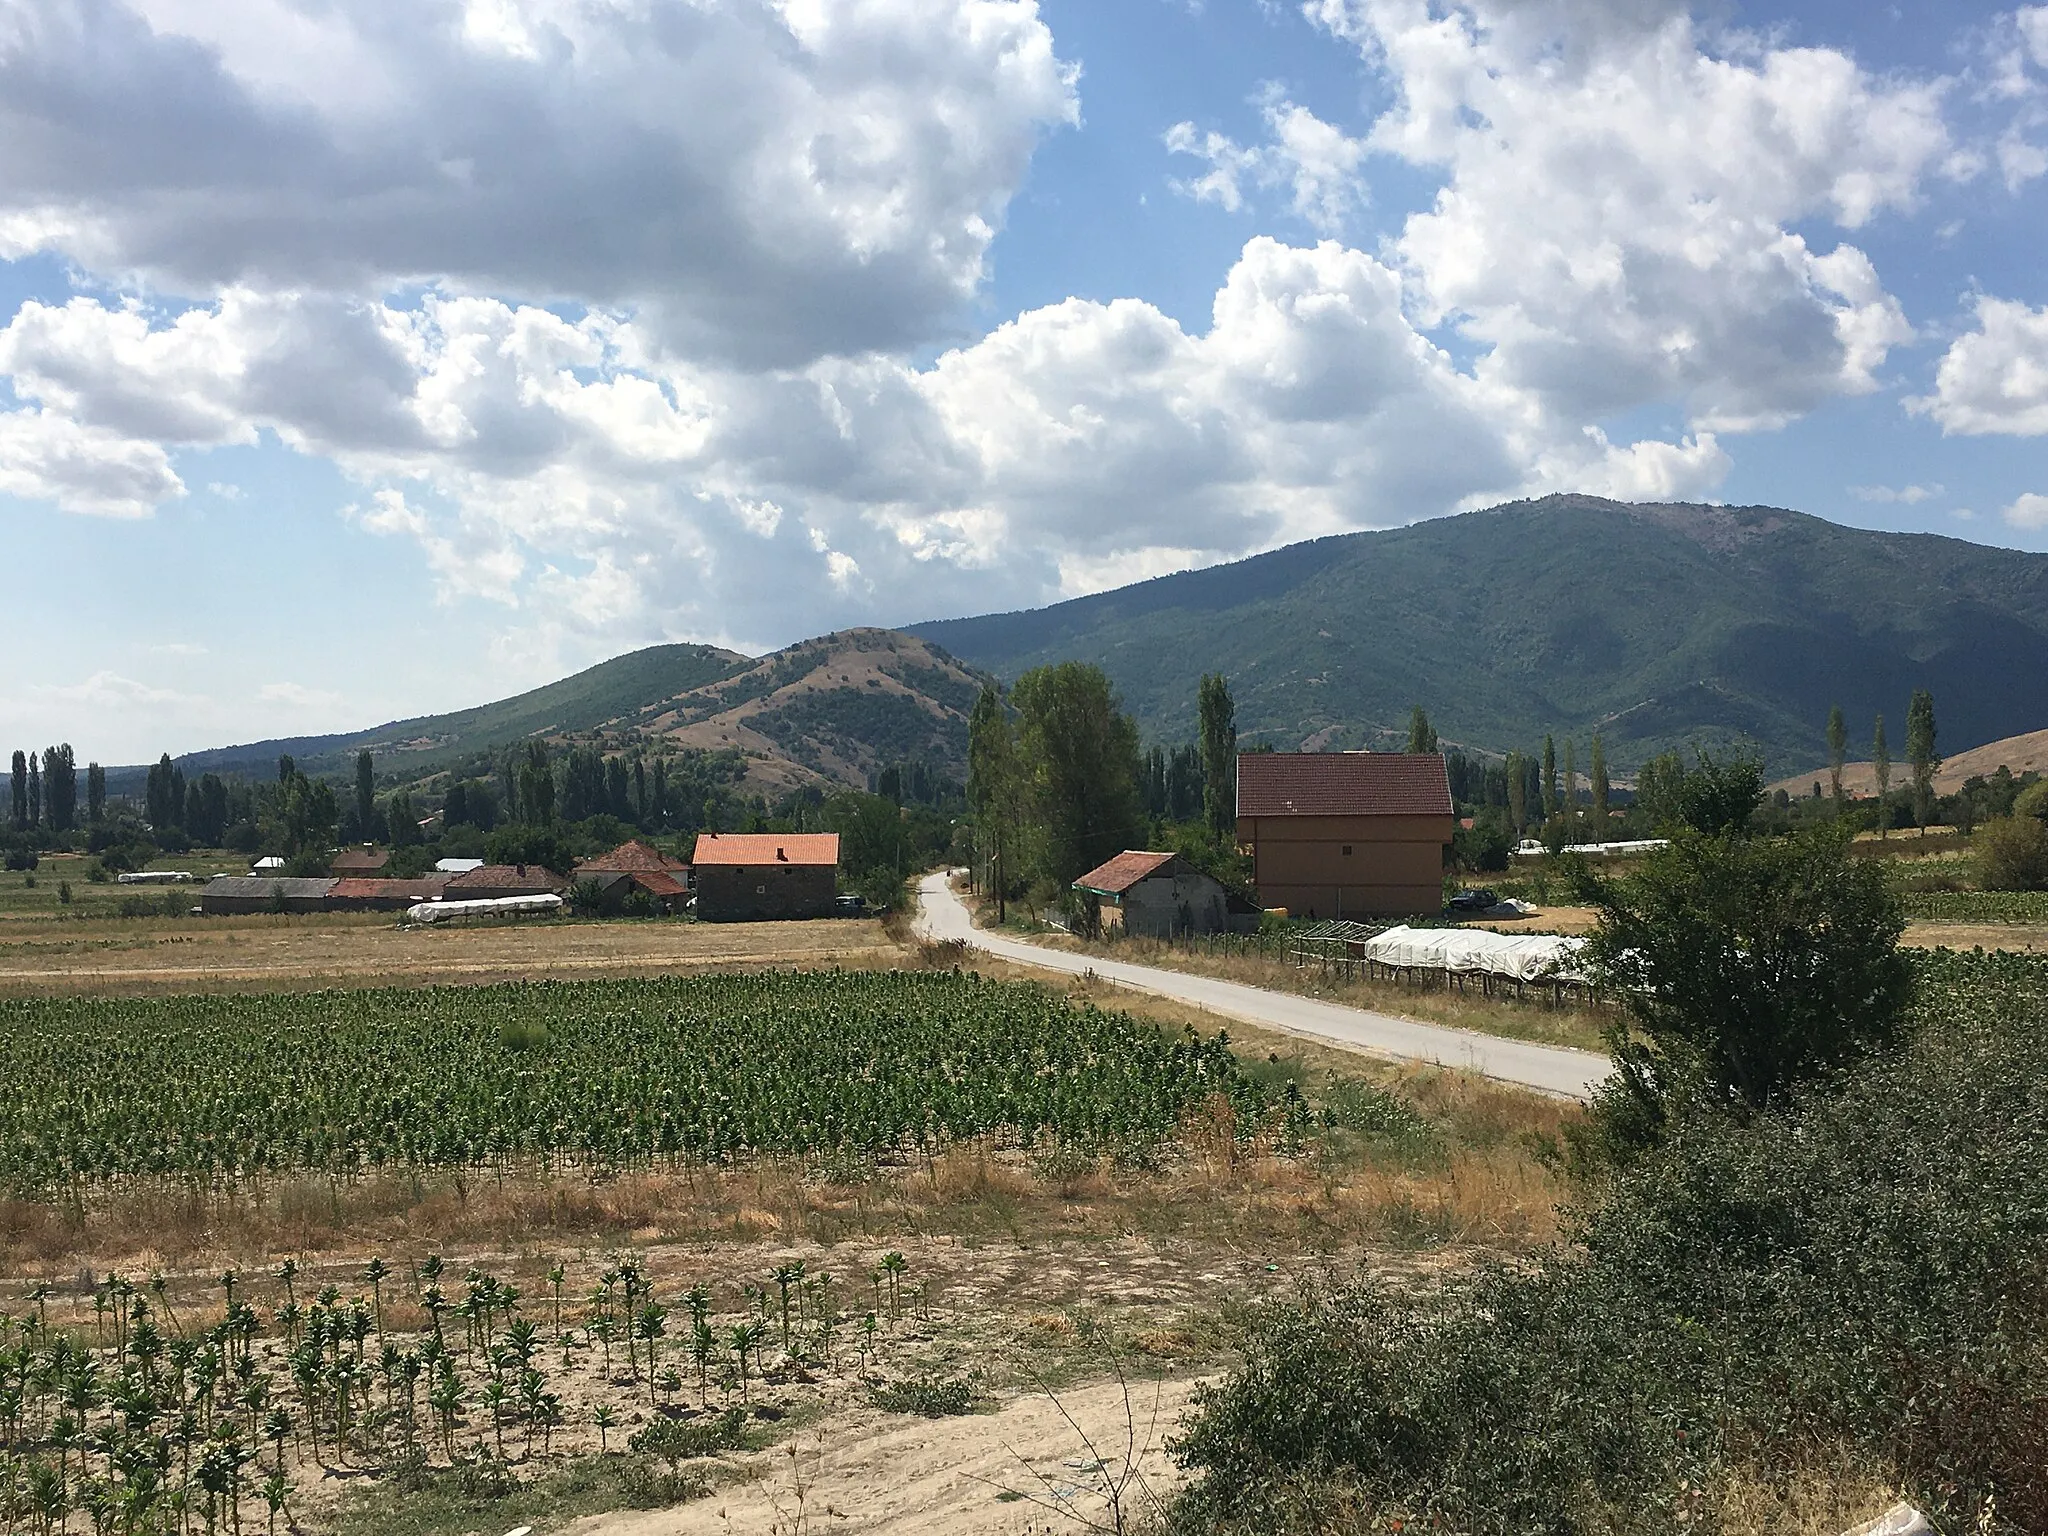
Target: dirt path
[1548,1068]
[872,1473]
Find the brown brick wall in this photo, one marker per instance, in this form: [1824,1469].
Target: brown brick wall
[727,894]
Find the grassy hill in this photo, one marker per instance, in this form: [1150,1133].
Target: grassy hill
[619,691]
[1658,626]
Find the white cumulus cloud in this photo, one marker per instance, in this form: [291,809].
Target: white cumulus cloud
[1994,378]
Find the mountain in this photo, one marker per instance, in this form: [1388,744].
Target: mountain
[836,708]
[2018,753]
[1658,626]
[832,710]
[612,693]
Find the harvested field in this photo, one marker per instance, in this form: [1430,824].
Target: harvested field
[269,954]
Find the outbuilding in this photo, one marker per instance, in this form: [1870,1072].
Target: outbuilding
[359,863]
[1346,834]
[355,895]
[750,876]
[492,882]
[636,865]
[229,895]
[1160,896]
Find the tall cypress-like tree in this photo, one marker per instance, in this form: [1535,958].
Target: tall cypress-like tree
[1571,780]
[1219,753]
[366,794]
[992,790]
[1838,754]
[95,793]
[1920,754]
[1421,734]
[1549,777]
[19,815]
[1598,771]
[1881,761]
[1518,792]
[35,792]
[60,787]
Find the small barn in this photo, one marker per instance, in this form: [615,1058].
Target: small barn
[748,877]
[359,863]
[492,882]
[1346,834]
[351,894]
[229,895]
[1160,896]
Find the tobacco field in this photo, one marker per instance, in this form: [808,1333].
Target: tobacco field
[604,1074]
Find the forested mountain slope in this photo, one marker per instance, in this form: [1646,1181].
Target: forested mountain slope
[1657,626]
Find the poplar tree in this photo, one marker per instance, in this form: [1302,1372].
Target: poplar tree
[1421,734]
[366,794]
[992,788]
[1518,792]
[1598,771]
[1219,753]
[1077,754]
[95,793]
[35,792]
[20,790]
[1881,761]
[1571,778]
[60,786]
[1838,754]
[1920,753]
[1549,777]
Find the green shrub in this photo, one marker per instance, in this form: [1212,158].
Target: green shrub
[928,1396]
[1861,1274]
[2012,854]
[675,1440]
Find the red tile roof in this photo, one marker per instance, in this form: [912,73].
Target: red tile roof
[630,858]
[355,888]
[359,861]
[658,882]
[505,877]
[1342,784]
[764,848]
[1123,872]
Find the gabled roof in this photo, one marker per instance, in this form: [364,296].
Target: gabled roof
[295,886]
[765,848]
[359,889]
[630,858]
[359,861]
[1342,784]
[505,877]
[1123,872]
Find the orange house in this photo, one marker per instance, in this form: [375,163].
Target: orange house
[1346,834]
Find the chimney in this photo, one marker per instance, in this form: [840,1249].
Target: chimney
[782,856]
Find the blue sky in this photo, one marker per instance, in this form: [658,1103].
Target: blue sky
[383,357]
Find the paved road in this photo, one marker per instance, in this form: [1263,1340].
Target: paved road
[1548,1068]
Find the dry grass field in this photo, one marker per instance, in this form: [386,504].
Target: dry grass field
[279,953]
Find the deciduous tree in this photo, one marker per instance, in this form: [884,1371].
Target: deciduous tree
[992,789]
[1549,777]
[1598,773]
[1078,756]
[1881,762]
[366,795]
[1838,754]
[1920,733]
[1421,734]
[1218,712]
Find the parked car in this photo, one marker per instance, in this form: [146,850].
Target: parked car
[1471,901]
[849,906]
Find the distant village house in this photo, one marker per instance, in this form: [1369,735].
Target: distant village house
[1346,834]
[743,877]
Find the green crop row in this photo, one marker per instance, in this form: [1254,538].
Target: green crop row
[609,1073]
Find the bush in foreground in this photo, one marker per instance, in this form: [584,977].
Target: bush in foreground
[1856,1278]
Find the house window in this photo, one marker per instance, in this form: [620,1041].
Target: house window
[1347,850]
